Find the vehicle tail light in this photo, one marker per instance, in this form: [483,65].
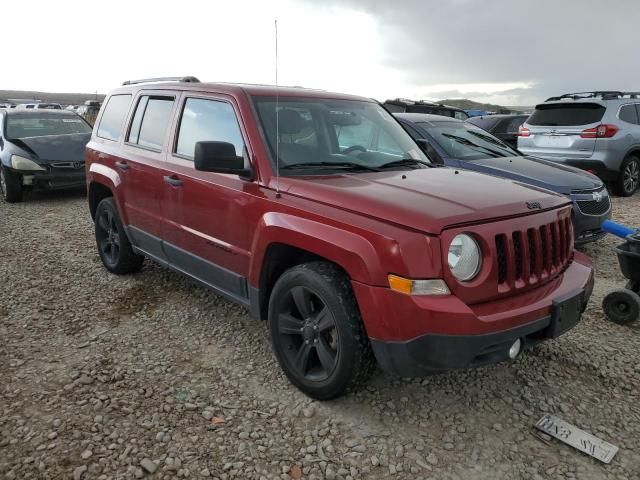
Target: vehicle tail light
[604,130]
[523,131]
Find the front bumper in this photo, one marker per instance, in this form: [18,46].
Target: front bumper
[443,334]
[54,178]
[588,227]
[433,353]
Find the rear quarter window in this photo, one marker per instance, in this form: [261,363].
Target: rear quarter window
[113,117]
[628,114]
[564,115]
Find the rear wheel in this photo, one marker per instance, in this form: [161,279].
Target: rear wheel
[10,186]
[629,177]
[114,247]
[622,306]
[316,331]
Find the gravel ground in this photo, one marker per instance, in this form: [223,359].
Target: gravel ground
[150,376]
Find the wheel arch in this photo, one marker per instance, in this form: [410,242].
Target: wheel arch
[283,241]
[95,194]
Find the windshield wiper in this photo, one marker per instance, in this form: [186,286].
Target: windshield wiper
[339,165]
[488,139]
[471,145]
[405,162]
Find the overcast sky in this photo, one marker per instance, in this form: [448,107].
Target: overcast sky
[503,51]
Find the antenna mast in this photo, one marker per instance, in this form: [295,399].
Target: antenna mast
[277,119]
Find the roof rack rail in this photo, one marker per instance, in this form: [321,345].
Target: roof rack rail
[187,79]
[604,94]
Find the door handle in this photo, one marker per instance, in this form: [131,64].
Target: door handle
[173,180]
[122,165]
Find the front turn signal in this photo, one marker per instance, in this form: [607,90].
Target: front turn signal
[408,286]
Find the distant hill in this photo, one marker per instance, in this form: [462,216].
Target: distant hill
[467,104]
[24,96]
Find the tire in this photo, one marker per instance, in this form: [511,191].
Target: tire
[622,306]
[10,186]
[114,246]
[629,178]
[316,331]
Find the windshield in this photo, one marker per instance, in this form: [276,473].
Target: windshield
[24,126]
[327,134]
[467,142]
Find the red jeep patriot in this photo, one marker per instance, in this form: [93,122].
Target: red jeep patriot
[359,250]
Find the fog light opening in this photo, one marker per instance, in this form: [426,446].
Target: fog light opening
[515,349]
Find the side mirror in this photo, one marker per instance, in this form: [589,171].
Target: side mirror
[220,157]
[430,151]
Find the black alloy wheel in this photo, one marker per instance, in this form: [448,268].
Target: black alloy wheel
[107,237]
[317,332]
[307,331]
[114,247]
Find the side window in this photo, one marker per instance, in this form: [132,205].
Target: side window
[207,120]
[150,122]
[113,117]
[628,114]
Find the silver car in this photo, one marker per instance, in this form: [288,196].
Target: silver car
[596,131]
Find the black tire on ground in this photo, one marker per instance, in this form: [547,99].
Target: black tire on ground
[622,306]
[629,178]
[114,247]
[10,186]
[316,331]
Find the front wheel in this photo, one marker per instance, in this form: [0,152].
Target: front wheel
[10,186]
[629,177]
[114,247]
[622,306]
[316,331]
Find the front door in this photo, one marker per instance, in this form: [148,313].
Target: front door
[207,234]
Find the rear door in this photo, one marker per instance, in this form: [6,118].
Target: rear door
[555,129]
[144,153]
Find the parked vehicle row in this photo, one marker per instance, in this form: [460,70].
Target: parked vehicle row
[320,214]
[403,105]
[461,145]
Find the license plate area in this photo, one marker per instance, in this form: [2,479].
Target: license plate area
[565,313]
[577,438]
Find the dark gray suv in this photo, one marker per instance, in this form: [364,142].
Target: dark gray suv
[596,131]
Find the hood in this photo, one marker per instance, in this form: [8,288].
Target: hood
[55,148]
[428,200]
[542,173]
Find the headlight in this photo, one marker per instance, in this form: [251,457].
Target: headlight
[21,163]
[464,257]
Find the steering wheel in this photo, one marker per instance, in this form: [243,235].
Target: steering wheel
[353,148]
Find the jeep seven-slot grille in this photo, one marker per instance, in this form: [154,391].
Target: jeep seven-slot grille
[531,256]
